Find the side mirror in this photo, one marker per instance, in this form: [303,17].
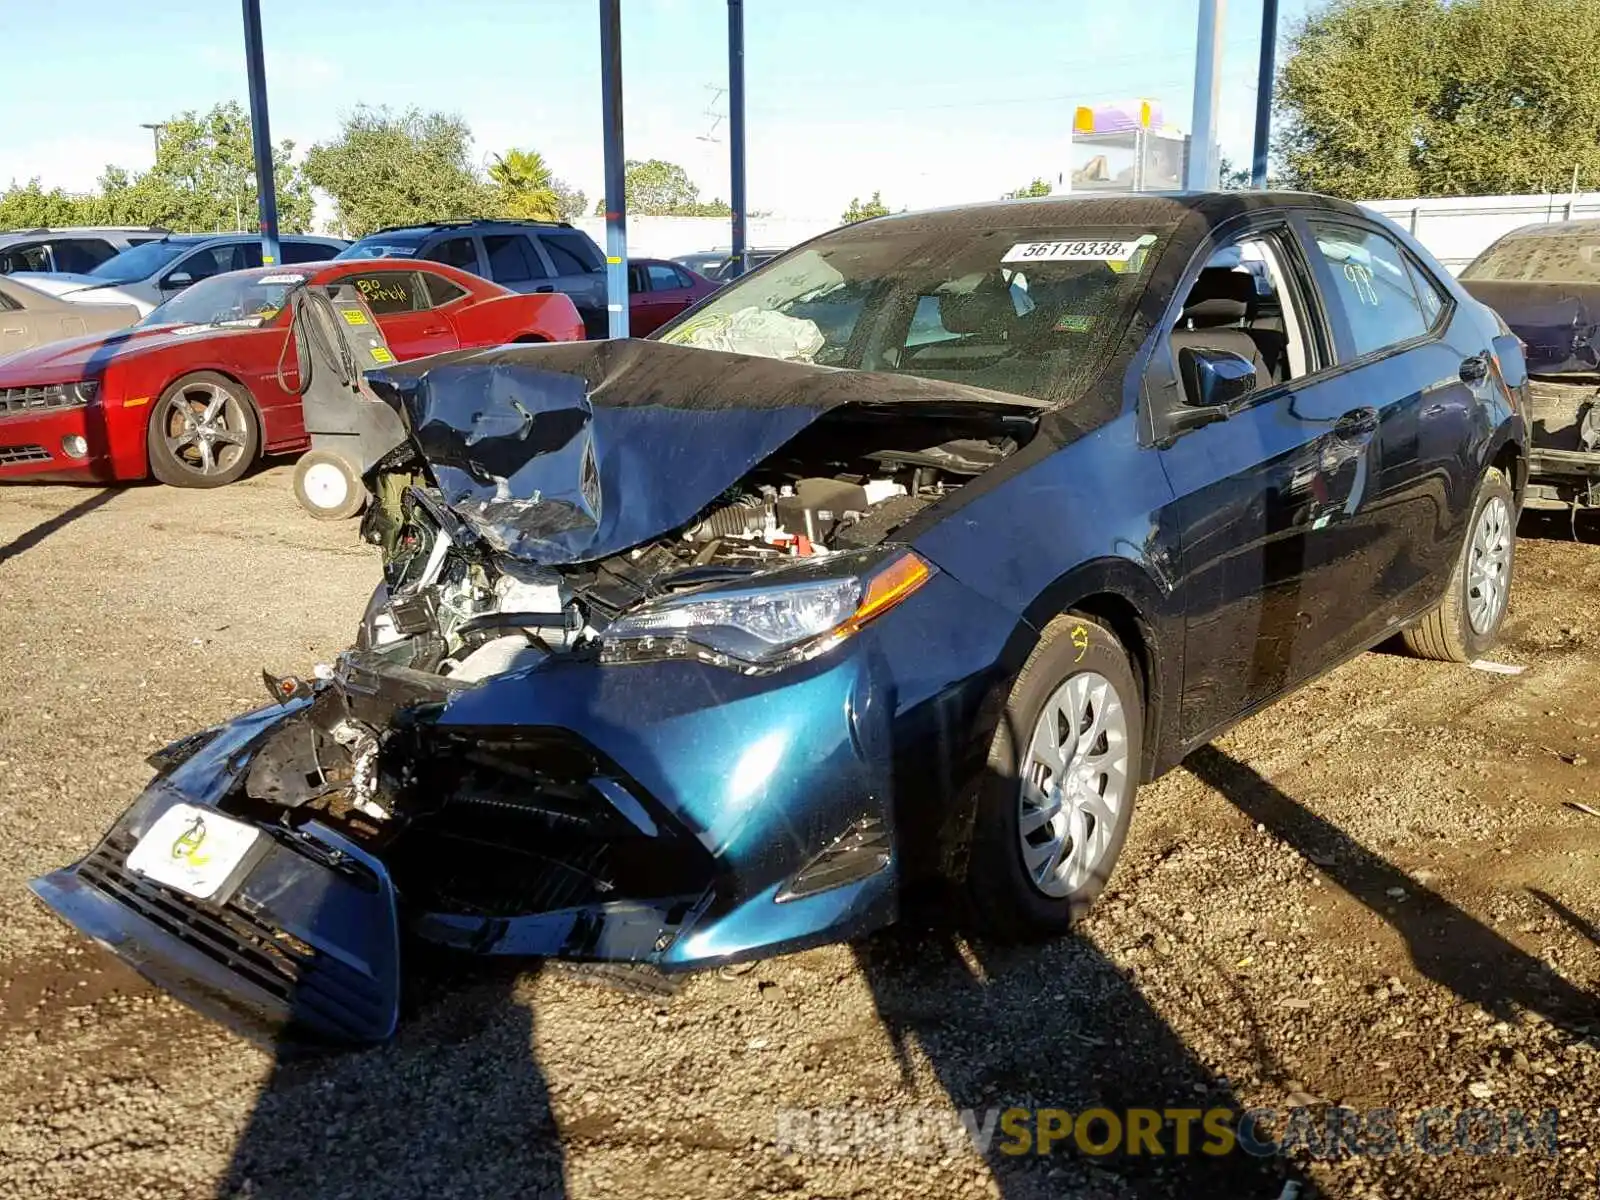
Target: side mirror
[1215,379]
[178,279]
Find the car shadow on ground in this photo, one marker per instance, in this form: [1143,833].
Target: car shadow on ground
[1447,945]
[457,1100]
[32,537]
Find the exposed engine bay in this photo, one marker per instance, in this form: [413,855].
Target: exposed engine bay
[470,612]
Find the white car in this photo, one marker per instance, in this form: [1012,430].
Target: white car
[149,274]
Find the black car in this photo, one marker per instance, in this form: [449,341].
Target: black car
[1544,282]
[905,558]
[525,256]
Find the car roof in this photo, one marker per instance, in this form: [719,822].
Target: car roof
[11,235]
[427,227]
[1165,208]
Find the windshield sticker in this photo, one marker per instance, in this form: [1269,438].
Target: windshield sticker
[267,280]
[353,316]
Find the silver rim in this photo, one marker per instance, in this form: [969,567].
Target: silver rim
[1489,569]
[205,427]
[1075,783]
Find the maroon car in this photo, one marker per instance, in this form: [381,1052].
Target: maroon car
[658,291]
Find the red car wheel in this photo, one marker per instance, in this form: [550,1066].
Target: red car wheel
[203,432]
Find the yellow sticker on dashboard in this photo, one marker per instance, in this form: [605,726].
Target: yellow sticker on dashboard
[354,316]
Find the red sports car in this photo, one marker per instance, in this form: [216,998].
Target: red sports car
[191,393]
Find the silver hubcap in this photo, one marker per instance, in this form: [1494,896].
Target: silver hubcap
[1075,782]
[205,428]
[1489,568]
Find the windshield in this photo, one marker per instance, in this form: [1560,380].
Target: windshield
[1023,310]
[1545,255]
[384,245]
[138,262]
[245,298]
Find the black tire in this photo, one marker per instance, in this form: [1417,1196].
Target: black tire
[1447,634]
[215,463]
[317,488]
[1004,897]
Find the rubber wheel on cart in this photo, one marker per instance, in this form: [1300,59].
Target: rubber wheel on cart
[1466,623]
[203,432]
[328,486]
[1056,800]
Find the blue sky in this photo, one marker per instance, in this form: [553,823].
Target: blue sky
[929,101]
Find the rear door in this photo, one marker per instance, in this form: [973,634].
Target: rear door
[515,263]
[1271,502]
[577,266]
[1401,350]
[459,250]
[404,310]
[18,327]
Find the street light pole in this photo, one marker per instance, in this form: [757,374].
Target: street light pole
[1200,175]
[155,128]
[736,190]
[260,136]
[616,181]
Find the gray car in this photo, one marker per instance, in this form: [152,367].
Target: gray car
[150,274]
[77,249]
[29,317]
[525,256]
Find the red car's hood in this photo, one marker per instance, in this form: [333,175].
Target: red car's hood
[87,357]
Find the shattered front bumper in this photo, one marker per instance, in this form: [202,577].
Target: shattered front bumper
[775,798]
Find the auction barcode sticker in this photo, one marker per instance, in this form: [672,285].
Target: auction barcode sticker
[1078,251]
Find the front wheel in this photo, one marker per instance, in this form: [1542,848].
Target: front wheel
[1466,623]
[203,432]
[1057,798]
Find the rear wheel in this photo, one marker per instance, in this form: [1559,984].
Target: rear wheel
[203,432]
[1057,798]
[1466,623]
[328,486]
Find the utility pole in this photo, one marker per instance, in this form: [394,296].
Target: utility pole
[1269,50]
[736,190]
[616,177]
[1200,173]
[260,136]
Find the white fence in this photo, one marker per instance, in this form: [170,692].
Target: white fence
[667,237]
[1456,229]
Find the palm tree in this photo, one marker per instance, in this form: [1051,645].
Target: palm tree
[527,188]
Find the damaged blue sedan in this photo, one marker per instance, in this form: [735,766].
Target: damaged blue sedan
[903,559]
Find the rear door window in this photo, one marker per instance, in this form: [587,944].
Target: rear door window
[441,290]
[512,259]
[570,245]
[665,278]
[306,252]
[82,255]
[1372,285]
[388,292]
[455,252]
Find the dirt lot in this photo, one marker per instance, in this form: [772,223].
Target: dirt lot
[1372,895]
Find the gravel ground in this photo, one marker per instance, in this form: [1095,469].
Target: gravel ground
[1373,895]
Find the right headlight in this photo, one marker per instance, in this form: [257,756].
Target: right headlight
[778,618]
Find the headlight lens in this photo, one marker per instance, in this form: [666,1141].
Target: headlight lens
[85,392]
[767,625]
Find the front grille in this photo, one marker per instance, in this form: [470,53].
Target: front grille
[32,399]
[315,987]
[23,454]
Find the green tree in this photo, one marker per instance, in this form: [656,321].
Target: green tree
[204,179]
[861,211]
[1039,187]
[1441,97]
[1232,178]
[396,169]
[657,188]
[527,188]
[29,206]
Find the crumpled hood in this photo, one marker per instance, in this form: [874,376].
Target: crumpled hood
[575,451]
[1557,321]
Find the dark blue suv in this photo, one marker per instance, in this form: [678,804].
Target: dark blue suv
[909,555]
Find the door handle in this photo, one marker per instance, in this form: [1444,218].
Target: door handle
[432,329]
[1474,369]
[545,287]
[1356,424]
